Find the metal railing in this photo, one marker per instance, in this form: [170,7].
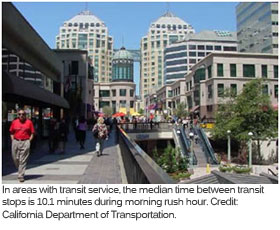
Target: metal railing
[140,168]
[143,127]
[187,142]
[206,145]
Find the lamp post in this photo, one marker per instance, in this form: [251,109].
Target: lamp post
[191,156]
[250,148]
[229,149]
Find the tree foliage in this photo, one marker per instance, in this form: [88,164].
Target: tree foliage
[108,111]
[250,111]
[172,161]
[141,111]
[180,111]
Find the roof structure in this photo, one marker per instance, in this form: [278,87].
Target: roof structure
[216,35]
[85,17]
[123,54]
[169,18]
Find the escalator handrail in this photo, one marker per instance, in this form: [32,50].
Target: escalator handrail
[208,146]
[188,145]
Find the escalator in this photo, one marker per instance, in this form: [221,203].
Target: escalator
[206,146]
[183,143]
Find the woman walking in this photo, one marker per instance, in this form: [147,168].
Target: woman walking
[100,132]
[82,128]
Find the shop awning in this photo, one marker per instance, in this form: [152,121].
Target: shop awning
[194,108]
[16,89]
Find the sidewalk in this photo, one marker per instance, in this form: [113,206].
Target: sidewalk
[75,166]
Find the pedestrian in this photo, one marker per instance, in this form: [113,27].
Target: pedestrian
[52,135]
[22,132]
[75,123]
[185,123]
[100,132]
[196,138]
[63,133]
[82,128]
[134,121]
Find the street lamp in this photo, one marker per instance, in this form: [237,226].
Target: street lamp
[250,148]
[229,150]
[191,156]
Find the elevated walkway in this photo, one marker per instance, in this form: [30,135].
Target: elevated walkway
[74,167]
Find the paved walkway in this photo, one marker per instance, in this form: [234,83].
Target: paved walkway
[74,167]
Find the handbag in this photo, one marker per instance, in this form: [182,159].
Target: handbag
[95,133]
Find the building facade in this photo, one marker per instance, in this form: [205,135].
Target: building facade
[31,75]
[220,71]
[120,96]
[257,27]
[87,32]
[180,56]
[78,81]
[120,93]
[166,99]
[162,32]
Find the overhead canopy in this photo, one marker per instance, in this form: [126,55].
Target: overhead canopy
[18,90]
[19,37]
[194,108]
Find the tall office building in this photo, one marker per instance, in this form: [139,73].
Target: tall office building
[87,32]
[162,32]
[180,56]
[257,27]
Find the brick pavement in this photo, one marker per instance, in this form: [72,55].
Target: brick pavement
[75,166]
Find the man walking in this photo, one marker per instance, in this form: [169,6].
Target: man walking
[22,132]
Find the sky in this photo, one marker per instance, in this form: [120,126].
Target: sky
[127,22]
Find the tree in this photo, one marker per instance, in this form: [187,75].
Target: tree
[180,111]
[108,111]
[250,111]
[141,111]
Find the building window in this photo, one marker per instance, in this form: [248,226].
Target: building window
[233,70]
[103,104]
[218,47]
[114,93]
[200,47]
[276,91]
[209,68]
[131,93]
[210,92]
[192,47]
[248,70]
[122,92]
[233,89]
[220,72]
[192,54]
[264,71]
[201,54]
[265,89]
[122,104]
[209,47]
[229,48]
[192,61]
[169,93]
[104,93]
[131,104]
[275,68]
[220,90]
[209,108]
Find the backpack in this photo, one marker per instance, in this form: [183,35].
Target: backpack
[102,131]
